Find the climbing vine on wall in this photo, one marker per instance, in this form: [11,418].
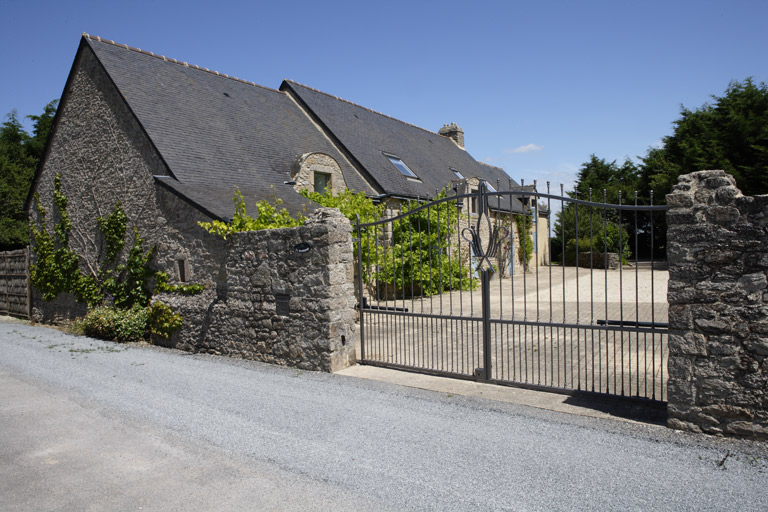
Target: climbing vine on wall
[270,216]
[123,287]
[162,285]
[524,224]
[420,263]
[57,267]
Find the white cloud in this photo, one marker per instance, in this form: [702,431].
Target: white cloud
[525,149]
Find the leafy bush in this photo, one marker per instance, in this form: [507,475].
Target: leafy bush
[353,206]
[349,203]
[162,321]
[269,217]
[418,257]
[117,294]
[524,224]
[114,324]
[413,263]
[608,236]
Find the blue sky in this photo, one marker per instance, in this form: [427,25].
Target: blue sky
[537,86]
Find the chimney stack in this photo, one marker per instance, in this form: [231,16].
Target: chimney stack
[453,132]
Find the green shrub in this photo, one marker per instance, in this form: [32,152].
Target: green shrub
[162,321]
[124,287]
[121,325]
[524,224]
[270,216]
[606,236]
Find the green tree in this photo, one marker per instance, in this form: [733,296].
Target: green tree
[41,128]
[730,134]
[581,228]
[20,154]
[16,170]
[598,175]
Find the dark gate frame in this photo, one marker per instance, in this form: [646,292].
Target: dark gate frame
[394,335]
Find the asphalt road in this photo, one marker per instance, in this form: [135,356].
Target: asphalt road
[90,425]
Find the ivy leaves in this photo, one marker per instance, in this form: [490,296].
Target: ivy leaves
[57,267]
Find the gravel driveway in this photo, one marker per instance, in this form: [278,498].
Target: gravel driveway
[91,425]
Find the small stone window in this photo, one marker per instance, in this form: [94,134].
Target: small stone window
[182,270]
[322,181]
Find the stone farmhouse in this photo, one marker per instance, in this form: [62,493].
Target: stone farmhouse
[172,142]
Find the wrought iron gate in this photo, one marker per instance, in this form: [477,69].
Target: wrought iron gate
[448,288]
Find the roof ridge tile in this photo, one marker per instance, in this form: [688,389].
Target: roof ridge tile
[174,61]
[362,107]
[489,165]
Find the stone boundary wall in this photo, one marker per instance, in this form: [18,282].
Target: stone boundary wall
[718,307]
[598,260]
[289,298]
[14,283]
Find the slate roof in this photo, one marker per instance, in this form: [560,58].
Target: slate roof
[368,135]
[216,132]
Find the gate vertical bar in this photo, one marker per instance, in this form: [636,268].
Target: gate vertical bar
[360,297]
[485,285]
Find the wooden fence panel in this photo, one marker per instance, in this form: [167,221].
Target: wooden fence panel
[15,290]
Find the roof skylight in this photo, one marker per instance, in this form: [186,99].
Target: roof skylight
[400,166]
[457,173]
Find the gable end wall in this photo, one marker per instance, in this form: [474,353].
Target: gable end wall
[104,156]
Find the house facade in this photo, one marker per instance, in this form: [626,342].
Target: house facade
[172,142]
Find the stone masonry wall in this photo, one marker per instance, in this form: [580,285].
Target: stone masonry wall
[305,167]
[289,298]
[718,307]
[104,156]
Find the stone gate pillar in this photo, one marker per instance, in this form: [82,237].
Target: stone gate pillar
[717,246]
